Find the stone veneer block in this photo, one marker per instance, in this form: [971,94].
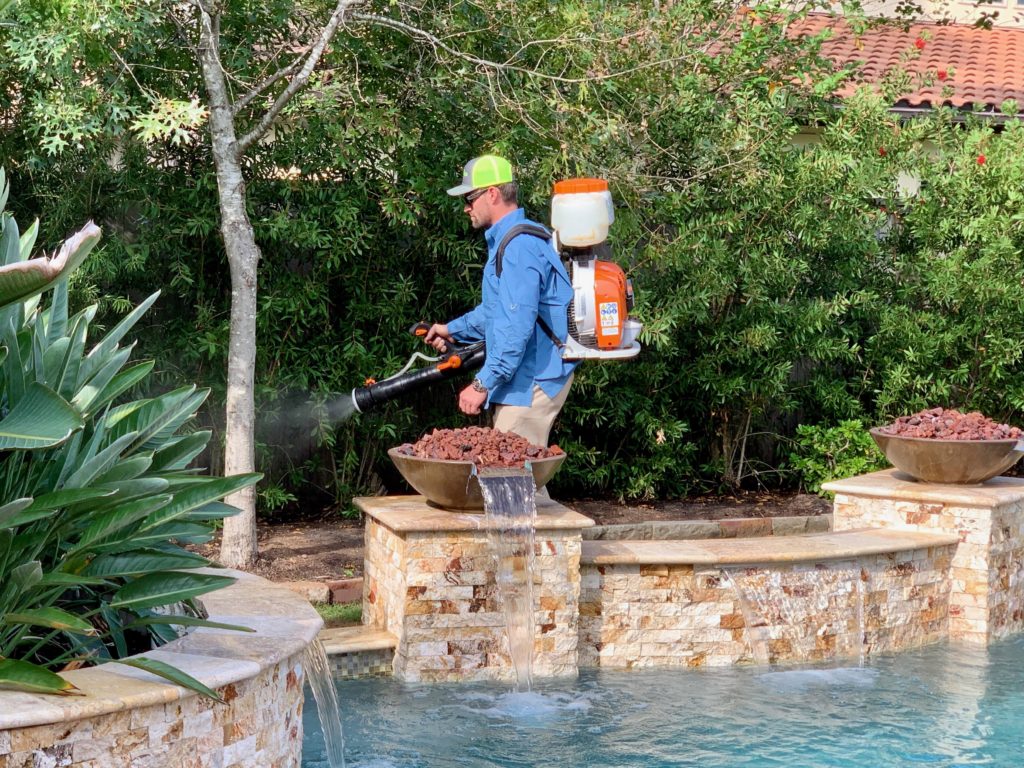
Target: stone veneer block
[808,598]
[127,717]
[987,598]
[429,580]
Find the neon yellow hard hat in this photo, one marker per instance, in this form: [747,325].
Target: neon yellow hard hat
[483,171]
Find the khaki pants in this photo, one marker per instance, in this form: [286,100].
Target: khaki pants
[533,421]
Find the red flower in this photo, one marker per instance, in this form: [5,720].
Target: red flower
[981,159]
[919,43]
[942,74]
[881,152]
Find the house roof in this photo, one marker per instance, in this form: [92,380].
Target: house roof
[985,66]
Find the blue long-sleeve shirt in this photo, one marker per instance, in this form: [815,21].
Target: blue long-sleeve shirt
[519,354]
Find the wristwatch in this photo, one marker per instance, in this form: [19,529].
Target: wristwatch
[479,386]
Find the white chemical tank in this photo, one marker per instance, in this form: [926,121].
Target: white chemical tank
[581,212]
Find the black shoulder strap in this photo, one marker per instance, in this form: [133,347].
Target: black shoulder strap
[518,229]
[543,234]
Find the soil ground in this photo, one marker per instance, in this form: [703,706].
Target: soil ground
[333,548]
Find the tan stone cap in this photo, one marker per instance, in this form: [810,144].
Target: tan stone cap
[338,640]
[898,486]
[411,514]
[284,625]
[811,547]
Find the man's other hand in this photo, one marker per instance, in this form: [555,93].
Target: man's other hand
[471,400]
[438,337]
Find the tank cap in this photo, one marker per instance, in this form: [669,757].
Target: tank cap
[578,186]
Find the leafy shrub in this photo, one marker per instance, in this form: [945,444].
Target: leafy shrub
[774,277]
[96,497]
[830,453]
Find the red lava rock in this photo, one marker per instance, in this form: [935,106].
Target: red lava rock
[950,424]
[481,445]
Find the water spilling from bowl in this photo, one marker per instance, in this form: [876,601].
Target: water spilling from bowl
[510,511]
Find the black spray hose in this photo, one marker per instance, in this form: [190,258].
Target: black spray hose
[459,360]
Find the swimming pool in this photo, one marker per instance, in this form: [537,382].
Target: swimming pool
[940,706]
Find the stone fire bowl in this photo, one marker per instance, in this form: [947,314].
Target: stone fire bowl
[453,484]
[949,461]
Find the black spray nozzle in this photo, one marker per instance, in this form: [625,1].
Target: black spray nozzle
[456,361]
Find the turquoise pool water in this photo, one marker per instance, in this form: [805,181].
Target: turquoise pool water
[942,706]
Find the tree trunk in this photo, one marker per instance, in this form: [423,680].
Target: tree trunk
[238,546]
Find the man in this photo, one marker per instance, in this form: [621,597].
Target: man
[522,315]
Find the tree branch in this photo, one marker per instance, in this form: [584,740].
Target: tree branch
[421,34]
[296,83]
[259,88]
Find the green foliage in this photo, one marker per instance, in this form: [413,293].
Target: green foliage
[97,497]
[825,453]
[784,271]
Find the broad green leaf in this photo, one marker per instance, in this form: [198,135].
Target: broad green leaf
[166,587]
[67,377]
[53,363]
[54,618]
[141,561]
[27,575]
[28,240]
[215,510]
[175,675]
[106,458]
[106,523]
[186,621]
[109,342]
[87,399]
[121,383]
[187,500]
[9,511]
[57,320]
[181,451]
[126,469]
[21,280]
[22,676]
[179,530]
[69,497]
[10,242]
[62,579]
[15,377]
[41,419]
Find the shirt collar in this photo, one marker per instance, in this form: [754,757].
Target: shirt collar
[497,230]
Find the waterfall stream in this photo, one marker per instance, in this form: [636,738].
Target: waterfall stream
[510,511]
[321,683]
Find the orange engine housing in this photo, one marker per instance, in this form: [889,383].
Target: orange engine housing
[610,296]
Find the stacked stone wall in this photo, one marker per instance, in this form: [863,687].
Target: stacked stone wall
[634,615]
[987,586]
[126,717]
[260,725]
[452,625]
[384,577]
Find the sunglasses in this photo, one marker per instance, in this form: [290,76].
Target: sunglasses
[470,197]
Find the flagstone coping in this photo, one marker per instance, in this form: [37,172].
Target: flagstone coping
[726,528]
[412,514]
[811,547]
[338,640]
[284,625]
[899,486]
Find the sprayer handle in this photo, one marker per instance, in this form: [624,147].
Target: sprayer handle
[419,330]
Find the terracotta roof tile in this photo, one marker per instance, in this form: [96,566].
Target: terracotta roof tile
[986,66]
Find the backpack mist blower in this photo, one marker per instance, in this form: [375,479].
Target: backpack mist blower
[599,324]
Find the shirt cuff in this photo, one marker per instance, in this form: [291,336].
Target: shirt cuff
[488,379]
